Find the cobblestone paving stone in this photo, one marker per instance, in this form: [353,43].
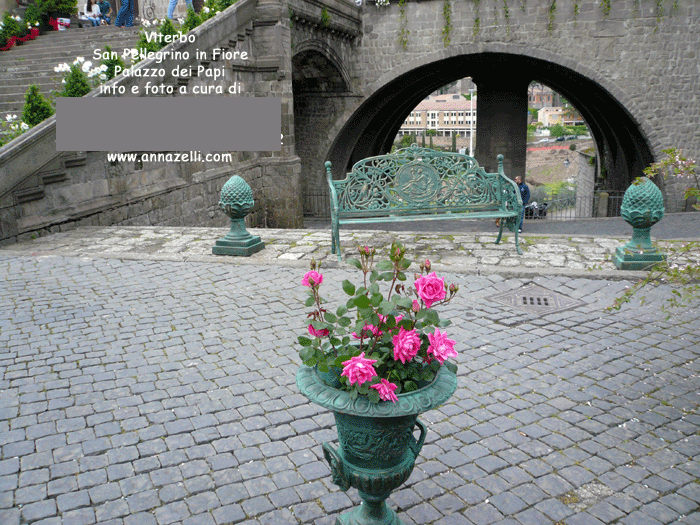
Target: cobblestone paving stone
[139,392]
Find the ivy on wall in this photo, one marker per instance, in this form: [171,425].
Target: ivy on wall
[403,22]
[447,28]
[551,15]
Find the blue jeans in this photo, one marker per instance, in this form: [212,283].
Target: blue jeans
[94,21]
[173,3]
[125,16]
[106,19]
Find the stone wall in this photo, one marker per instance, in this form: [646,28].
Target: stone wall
[643,65]
[42,190]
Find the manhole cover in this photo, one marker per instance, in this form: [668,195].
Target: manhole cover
[534,298]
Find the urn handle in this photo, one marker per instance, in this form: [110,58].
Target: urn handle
[337,469]
[417,445]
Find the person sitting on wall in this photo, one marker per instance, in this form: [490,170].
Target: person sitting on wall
[93,13]
[105,11]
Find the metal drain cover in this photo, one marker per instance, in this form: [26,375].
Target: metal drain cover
[534,298]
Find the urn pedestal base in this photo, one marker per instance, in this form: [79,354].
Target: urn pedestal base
[626,259]
[639,253]
[238,241]
[357,517]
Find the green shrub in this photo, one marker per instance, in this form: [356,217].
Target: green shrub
[58,6]
[192,20]
[10,28]
[111,64]
[33,14]
[77,84]
[36,108]
[168,28]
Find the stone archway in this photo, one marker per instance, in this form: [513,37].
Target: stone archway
[319,81]
[502,79]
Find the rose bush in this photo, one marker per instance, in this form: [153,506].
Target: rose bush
[387,345]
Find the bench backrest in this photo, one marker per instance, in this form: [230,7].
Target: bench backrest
[419,180]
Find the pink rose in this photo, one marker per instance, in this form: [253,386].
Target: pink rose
[323,332]
[430,288]
[406,345]
[359,369]
[441,347]
[311,279]
[416,306]
[386,391]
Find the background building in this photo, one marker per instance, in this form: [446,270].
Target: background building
[442,116]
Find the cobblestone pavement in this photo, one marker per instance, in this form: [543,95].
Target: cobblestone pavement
[474,252]
[137,392]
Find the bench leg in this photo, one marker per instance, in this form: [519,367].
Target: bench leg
[335,241]
[517,243]
[500,232]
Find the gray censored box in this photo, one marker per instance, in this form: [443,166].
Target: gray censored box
[168,124]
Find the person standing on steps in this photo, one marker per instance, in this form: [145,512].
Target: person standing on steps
[525,196]
[173,4]
[125,16]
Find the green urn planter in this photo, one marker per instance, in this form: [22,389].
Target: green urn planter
[642,207]
[377,448]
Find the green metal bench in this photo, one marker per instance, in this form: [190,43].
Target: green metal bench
[422,184]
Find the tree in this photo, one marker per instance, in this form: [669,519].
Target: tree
[557,130]
[36,108]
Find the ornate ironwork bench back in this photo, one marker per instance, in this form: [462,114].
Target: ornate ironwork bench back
[417,183]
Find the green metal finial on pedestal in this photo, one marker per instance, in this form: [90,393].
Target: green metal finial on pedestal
[237,201]
[642,207]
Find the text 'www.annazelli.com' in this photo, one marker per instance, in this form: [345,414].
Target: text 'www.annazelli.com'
[190,156]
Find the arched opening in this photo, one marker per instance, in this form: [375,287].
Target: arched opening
[620,142]
[317,78]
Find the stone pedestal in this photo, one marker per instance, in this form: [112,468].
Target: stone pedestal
[238,241]
[236,202]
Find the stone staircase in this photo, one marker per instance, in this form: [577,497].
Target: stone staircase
[34,61]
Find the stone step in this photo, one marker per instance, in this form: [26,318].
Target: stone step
[67,52]
[35,60]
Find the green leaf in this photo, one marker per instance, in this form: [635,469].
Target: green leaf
[368,315]
[323,367]
[306,354]
[401,276]
[410,386]
[310,301]
[373,396]
[304,341]
[348,287]
[451,367]
[444,322]
[386,276]
[374,289]
[354,262]
[405,263]
[432,317]
[330,318]
[341,311]
[386,307]
[344,321]
[405,302]
[373,276]
[376,300]
[362,301]
[384,265]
